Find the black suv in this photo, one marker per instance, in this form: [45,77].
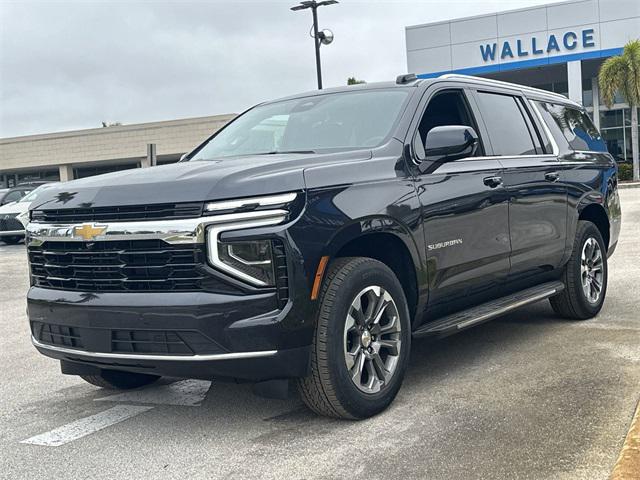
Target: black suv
[311,238]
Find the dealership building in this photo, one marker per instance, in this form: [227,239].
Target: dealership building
[558,47]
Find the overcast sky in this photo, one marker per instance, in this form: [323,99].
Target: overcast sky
[73,64]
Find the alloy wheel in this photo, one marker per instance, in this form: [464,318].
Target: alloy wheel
[592,270]
[372,339]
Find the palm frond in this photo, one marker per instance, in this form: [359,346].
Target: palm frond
[612,78]
[622,74]
[632,55]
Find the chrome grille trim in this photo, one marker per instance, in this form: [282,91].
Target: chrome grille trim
[182,231]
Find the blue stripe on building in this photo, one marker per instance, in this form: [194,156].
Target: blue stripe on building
[537,62]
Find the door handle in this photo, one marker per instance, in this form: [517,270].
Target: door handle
[492,182]
[551,176]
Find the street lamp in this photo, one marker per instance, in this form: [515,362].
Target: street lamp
[324,37]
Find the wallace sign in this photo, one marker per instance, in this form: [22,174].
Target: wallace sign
[534,46]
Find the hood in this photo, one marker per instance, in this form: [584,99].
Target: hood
[193,181]
[14,208]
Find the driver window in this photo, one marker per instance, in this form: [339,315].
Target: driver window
[446,108]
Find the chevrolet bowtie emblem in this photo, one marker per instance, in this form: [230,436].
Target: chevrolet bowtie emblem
[88,231]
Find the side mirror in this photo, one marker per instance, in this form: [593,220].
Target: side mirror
[450,142]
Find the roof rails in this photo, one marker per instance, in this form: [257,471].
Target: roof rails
[406,78]
[499,83]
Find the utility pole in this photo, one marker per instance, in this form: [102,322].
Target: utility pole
[324,37]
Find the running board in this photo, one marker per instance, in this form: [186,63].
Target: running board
[473,316]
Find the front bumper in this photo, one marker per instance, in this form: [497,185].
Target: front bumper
[249,366]
[11,226]
[84,310]
[187,334]
[11,233]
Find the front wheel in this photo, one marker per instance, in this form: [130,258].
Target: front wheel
[584,276]
[362,341]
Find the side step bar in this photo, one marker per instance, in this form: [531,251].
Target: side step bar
[475,315]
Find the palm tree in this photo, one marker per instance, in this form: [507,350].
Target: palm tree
[622,74]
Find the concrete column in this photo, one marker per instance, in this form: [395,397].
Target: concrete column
[596,102]
[574,77]
[66,172]
[150,160]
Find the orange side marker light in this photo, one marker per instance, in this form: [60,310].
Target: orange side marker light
[315,291]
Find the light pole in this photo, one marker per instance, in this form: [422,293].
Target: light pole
[323,37]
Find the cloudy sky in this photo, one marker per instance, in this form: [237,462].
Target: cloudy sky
[67,65]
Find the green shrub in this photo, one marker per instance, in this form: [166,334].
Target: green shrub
[625,172]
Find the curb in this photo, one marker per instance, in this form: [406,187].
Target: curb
[624,185]
[628,465]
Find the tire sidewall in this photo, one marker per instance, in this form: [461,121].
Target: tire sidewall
[353,400]
[585,231]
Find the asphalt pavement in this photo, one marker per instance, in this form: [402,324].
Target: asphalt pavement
[527,396]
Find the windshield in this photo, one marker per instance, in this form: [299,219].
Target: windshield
[337,121]
[33,194]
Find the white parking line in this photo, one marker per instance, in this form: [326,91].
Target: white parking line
[188,393]
[86,426]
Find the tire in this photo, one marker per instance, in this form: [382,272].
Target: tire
[118,380]
[340,338]
[11,240]
[574,302]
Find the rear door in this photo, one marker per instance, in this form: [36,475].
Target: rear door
[537,199]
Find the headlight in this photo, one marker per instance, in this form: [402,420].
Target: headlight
[248,260]
[253,259]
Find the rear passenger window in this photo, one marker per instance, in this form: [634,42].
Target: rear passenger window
[508,130]
[575,125]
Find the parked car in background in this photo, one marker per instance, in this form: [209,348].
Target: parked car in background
[13,194]
[14,216]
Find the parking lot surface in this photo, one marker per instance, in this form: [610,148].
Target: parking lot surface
[527,396]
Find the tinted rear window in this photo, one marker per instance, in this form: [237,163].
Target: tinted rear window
[508,130]
[575,126]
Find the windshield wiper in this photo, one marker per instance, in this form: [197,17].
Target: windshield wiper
[279,152]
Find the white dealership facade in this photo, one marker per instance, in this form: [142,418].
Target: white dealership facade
[557,47]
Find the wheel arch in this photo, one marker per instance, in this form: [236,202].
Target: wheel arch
[388,241]
[596,214]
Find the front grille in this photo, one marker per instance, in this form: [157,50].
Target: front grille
[131,265]
[153,342]
[162,341]
[162,211]
[9,222]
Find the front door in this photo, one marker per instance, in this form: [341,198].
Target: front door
[465,214]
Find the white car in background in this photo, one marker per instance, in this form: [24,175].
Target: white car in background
[15,216]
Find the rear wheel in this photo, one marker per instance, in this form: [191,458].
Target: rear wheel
[361,343]
[585,276]
[118,380]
